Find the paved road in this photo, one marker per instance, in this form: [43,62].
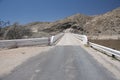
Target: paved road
[66,61]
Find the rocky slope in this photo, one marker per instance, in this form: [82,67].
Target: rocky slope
[105,24]
[75,22]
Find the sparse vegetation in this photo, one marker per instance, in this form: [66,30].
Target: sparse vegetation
[17,31]
[3,24]
[105,24]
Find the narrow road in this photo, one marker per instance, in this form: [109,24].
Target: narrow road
[66,61]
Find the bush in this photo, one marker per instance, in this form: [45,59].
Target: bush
[3,24]
[17,31]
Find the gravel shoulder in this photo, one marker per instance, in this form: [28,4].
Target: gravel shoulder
[11,58]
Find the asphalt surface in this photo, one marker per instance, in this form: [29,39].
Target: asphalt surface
[65,61]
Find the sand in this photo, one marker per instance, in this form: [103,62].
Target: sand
[11,58]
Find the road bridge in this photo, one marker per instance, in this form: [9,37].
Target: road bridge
[67,60]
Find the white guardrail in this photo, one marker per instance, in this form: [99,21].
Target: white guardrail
[83,38]
[106,50]
[55,38]
[29,42]
[23,42]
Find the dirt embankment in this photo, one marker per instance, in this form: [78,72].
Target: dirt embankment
[114,44]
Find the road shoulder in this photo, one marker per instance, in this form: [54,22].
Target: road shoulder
[108,62]
[11,58]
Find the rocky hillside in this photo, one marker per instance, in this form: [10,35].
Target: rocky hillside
[105,24]
[75,23]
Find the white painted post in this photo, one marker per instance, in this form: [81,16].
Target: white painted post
[52,40]
[85,40]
